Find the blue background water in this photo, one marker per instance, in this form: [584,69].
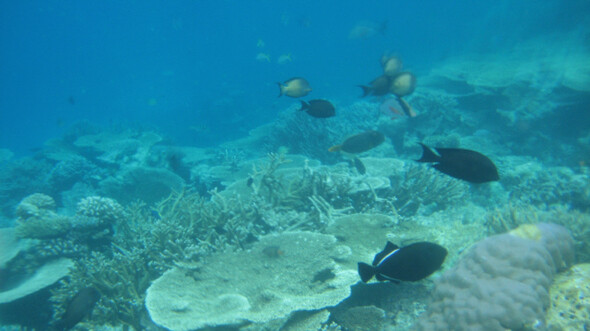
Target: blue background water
[173,65]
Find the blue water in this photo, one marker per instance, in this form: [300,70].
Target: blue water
[173,65]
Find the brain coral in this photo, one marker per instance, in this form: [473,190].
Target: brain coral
[502,282]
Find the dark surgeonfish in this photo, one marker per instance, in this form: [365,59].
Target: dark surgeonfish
[359,143]
[318,108]
[80,307]
[295,87]
[459,163]
[410,263]
[379,86]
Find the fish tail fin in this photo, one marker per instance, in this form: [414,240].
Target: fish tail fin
[428,155]
[366,90]
[335,148]
[280,89]
[304,105]
[366,271]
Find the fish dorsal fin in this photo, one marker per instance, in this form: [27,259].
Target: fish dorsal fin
[428,155]
[389,248]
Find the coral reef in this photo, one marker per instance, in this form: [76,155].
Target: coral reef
[37,218]
[43,277]
[502,282]
[286,272]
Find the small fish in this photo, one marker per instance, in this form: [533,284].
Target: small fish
[80,307]
[260,43]
[296,87]
[379,86]
[318,108]
[468,165]
[263,57]
[155,214]
[391,65]
[285,58]
[410,263]
[250,181]
[396,108]
[403,84]
[365,29]
[272,251]
[359,143]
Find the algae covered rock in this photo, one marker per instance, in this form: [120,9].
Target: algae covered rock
[570,299]
[280,274]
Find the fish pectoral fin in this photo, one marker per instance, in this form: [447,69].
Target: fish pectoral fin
[428,155]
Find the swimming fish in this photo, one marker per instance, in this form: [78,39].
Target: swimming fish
[296,87]
[80,306]
[379,86]
[366,29]
[359,143]
[284,58]
[391,65]
[263,57]
[403,84]
[409,263]
[461,163]
[318,108]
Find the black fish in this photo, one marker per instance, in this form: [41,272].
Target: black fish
[410,263]
[379,86]
[318,108]
[80,306]
[359,143]
[461,163]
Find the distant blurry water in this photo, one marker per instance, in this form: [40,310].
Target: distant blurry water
[189,68]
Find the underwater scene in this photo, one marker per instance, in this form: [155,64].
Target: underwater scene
[295,165]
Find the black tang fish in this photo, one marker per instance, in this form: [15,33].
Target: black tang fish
[318,108]
[410,263]
[462,164]
[80,306]
[359,143]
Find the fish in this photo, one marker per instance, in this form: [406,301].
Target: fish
[464,164]
[263,57]
[79,307]
[406,264]
[403,84]
[296,87]
[379,86]
[396,108]
[318,108]
[365,29]
[284,58]
[359,143]
[391,65]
